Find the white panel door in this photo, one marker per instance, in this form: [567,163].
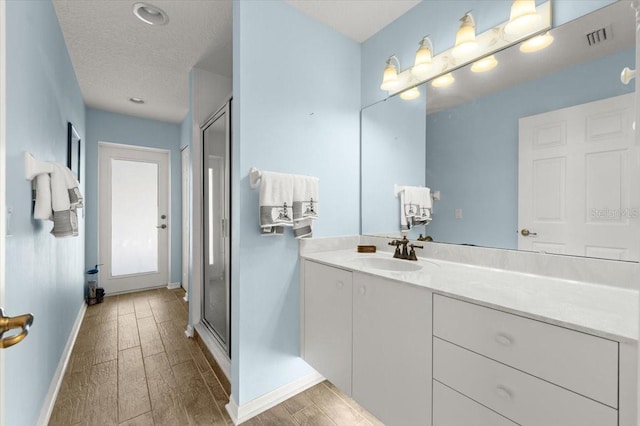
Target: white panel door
[133,217]
[576,170]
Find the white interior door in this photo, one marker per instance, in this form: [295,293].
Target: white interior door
[133,217]
[577,171]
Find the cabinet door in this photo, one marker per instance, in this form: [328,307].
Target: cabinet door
[392,350]
[327,322]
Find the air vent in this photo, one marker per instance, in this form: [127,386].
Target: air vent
[599,36]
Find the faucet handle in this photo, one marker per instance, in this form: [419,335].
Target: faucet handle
[412,253]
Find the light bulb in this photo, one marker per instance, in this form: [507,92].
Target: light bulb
[410,94]
[390,76]
[424,58]
[484,64]
[523,19]
[536,43]
[443,81]
[466,42]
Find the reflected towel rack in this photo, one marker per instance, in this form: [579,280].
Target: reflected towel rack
[33,167]
[397,189]
[254,177]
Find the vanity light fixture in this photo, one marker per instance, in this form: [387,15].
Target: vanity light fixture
[424,57]
[136,100]
[537,43]
[484,64]
[390,75]
[524,17]
[466,43]
[410,94]
[443,81]
[150,14]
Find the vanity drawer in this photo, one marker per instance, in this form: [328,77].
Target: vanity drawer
[451,408]
[580,362]
[518,396]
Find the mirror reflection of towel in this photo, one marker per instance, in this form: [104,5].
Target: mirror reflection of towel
[415,206]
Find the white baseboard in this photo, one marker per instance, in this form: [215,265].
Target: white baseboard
[215,349]
[54,388]
[244,412]
[173,286]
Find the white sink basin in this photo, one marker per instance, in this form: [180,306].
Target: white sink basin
[389,264]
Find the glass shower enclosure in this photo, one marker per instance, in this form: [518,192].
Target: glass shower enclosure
[216,183]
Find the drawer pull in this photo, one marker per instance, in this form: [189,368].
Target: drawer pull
[340,284]
[363,290]
[504,393]
[504,339]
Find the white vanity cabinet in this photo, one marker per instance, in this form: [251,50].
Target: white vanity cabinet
[371,337]
[327,294]
[530,372]
[392,350]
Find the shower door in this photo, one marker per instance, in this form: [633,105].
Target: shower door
[216,250]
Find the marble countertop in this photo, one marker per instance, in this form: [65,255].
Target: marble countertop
[605,311]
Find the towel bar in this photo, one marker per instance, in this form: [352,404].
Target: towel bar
[33,167]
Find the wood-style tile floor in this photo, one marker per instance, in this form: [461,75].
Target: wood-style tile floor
[132,365]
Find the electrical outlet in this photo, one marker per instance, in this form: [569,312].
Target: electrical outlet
[458,213]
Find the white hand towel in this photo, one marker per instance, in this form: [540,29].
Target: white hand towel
[276,202]
[305,205]
[415,206]
[65,219]
[42,209]
[73,187]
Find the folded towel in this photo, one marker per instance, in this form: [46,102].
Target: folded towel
[305,205]
[75,196]
[415,206]
[65,218]
[65,224]
[42,209]
[276,202]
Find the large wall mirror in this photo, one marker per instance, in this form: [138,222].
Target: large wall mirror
[536,154]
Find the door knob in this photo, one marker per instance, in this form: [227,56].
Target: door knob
[526,233]
[11,323]
[163,226]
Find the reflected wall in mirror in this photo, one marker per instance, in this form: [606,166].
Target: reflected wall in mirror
[543,143]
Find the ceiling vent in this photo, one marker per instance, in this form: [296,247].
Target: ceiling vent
[599,36]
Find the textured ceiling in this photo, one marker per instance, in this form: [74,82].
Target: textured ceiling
[357,19]
[116,56]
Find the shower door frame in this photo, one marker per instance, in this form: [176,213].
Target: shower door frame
[223,113]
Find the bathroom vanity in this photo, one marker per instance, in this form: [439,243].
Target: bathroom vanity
[440,343]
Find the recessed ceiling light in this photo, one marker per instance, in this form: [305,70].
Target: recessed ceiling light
[137,100]
[150,14]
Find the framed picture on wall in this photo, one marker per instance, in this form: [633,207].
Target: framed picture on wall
[73,150]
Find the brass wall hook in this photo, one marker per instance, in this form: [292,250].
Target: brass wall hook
[11,323]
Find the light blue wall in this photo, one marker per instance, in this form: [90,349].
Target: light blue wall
[472,149]
[440,19]
[296,109]
[393,152]
[103,126]
[45,275]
